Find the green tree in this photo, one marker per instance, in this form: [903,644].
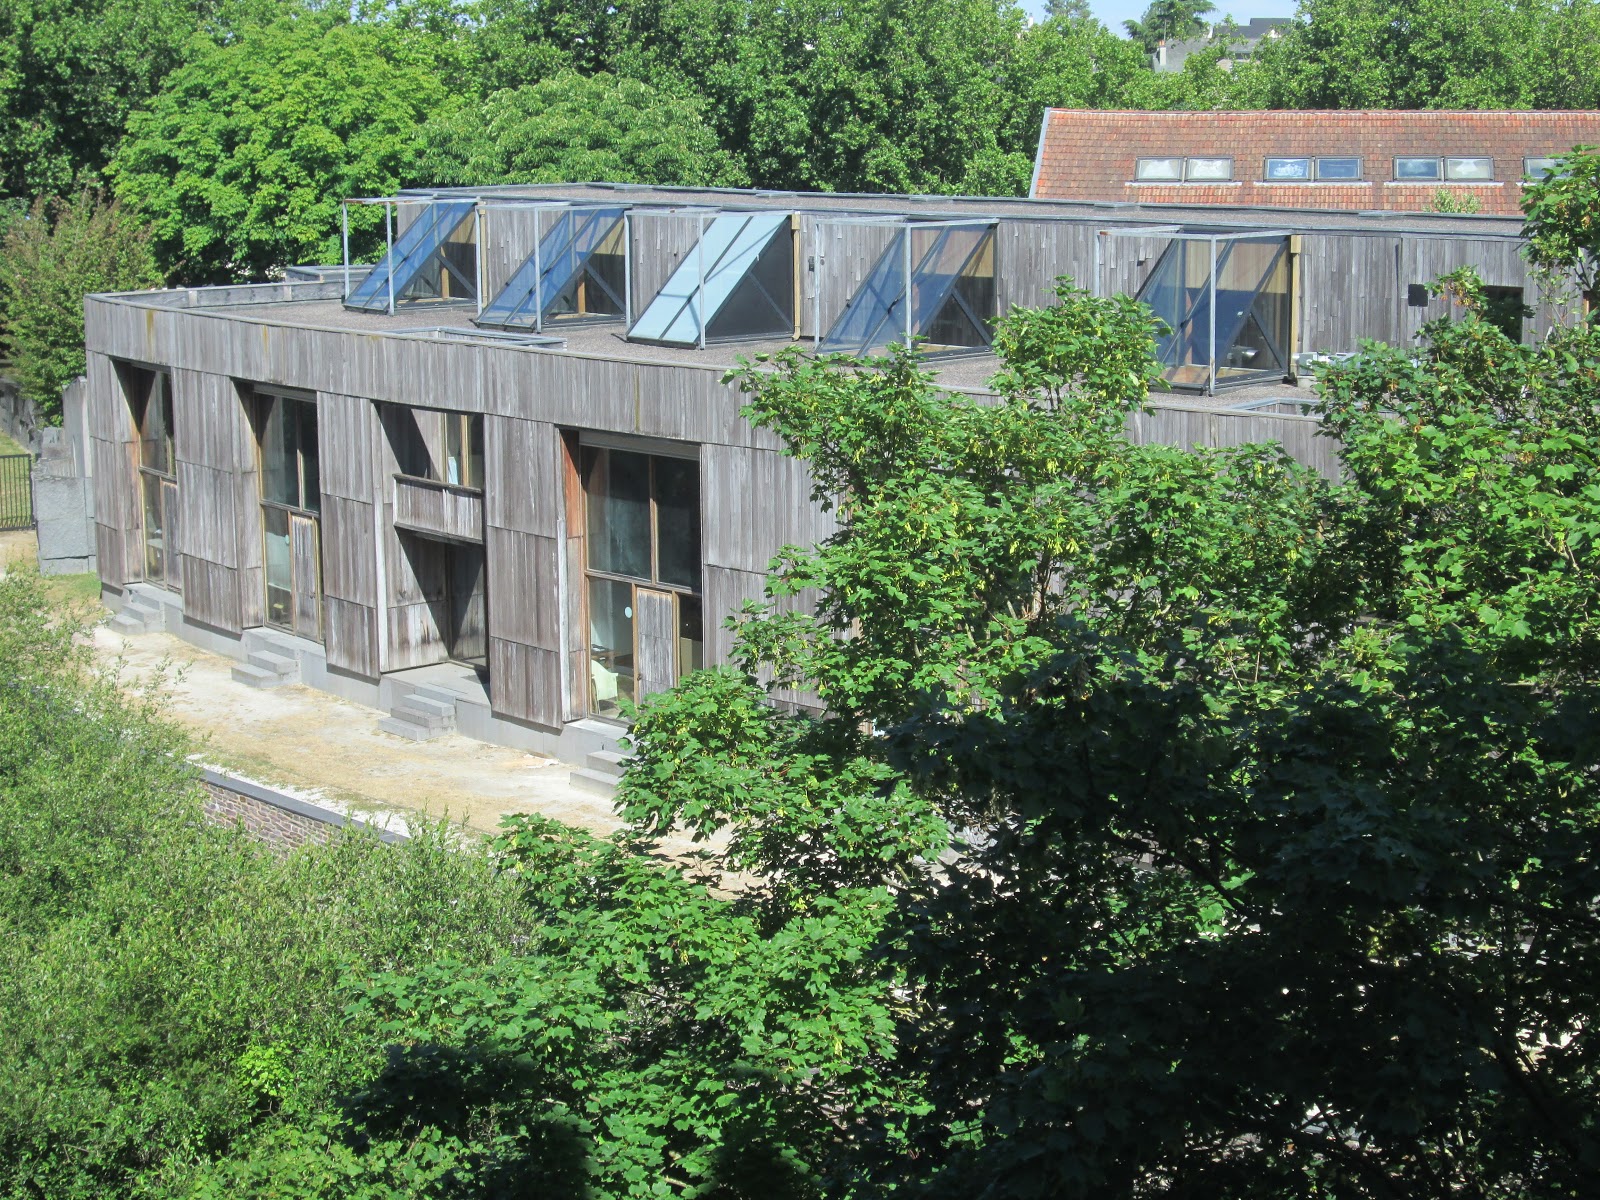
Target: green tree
[1561,222]
[49,260]
[71,72]
[574,128]
[1169,21]
[242,159]
[1276,796]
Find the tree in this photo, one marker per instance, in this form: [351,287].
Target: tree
[1070,10]
[49,260]
[1276,796]
[1169,21]
[1560,222]
[573,127]
[71,72]
[242,159]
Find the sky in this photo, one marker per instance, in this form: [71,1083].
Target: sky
[1114,12]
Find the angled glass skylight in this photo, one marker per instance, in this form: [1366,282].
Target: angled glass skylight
[576,270]
[935,282]
[738,281]
[426,261]
[1225,302]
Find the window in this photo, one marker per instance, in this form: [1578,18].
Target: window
[1467,170]
[158,471]
[291,497]
[1208,170]
[1333,169]
[643,573]
[1537,168]
[1288,169]
[1158,170]
[463,450]
[1416,170]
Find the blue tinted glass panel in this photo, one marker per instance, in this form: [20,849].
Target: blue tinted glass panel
[1422,169]
[1338,168]
[876,314]
[564,250]
[413,251]
[729,248]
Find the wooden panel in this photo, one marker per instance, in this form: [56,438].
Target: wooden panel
[726,592]
[349,557]
[415,635]
[655,641]
[351,634]
[111,559]
[438,510]
[660,242]
[509,236]
[172,526]
[1350,290]
[1029,255]
[210,594]
[524,588]
[203,505]
[848,252]
[525,683]
[522,475]
[753,502]
[307,560]
[574,647]
[1125,264]
[1301,437]
[343,433]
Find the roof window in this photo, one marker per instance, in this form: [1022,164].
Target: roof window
[1468,170]
[576,270]
[1288,170]
[1158,170]
[1338,168]
[1538,168]
[1208,170]
[738,281]
[1416,170]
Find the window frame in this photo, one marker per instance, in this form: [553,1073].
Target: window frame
[1358,177]
[1460,158]
[1268,177]
[1188,168]
[1139,166]
[1436,160]
[265,399]
[1528,172]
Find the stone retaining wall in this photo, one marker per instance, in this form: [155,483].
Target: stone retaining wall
[268,816]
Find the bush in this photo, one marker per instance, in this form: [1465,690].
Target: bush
[61,251]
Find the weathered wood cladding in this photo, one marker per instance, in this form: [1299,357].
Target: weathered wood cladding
[1030,255]
[215,448]
[525,527]
[658,243]
[834,258]
[438,510]
[116,509]
[510,234]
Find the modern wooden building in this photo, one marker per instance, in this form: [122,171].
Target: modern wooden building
[497,480]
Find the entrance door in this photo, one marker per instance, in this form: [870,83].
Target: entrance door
[466,606]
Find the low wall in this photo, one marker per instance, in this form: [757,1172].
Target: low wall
[63,489]
[271,817]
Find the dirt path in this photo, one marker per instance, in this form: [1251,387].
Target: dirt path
[319,746]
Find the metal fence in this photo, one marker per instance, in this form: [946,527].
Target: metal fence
[16,491]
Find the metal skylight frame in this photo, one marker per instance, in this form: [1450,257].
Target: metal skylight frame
[1177,233]
[902,225]
[693,302]
[537,269]
[390,203]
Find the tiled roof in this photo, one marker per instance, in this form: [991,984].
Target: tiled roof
[1090,155]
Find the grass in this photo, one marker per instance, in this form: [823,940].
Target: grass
[7,446]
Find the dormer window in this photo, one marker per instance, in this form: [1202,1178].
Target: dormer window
[1417,170]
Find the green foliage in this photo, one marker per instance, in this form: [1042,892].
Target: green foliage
[1562,222]
[1169,21]
[72,70]
[571,127]
[1447,201]
[168,990]
[241,161]
[49,260]
[1275,796]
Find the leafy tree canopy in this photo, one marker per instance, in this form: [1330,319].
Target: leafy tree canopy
[1169,20]
[573,127]
[242,159]
[49,260]
[1563,222]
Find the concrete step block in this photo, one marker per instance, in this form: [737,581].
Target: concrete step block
[257,677]
[594,782]
[417,702]
[608,762]
[434,722]
[278,664]
[441,695]
[127,624]
[405,729]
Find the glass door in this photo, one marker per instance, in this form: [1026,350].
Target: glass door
[642,575]
[291,499]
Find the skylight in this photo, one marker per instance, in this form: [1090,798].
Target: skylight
[738,281]
[575,270]
[425,262]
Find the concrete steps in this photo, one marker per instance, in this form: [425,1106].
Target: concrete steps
[422,715]
[264,669]
[600,774]
[138,614]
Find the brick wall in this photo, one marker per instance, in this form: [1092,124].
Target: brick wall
[280,821]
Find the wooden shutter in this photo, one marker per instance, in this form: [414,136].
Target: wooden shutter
[305,553]
[655,635]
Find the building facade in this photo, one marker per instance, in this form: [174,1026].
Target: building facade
[1342,160]
[501,470]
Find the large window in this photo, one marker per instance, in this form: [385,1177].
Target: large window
[291,498]
[643,573]
[158,472]
[1416,170]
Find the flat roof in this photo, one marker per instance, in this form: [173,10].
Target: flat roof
[1103,212]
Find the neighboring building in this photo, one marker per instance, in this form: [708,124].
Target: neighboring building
[1383,160]
[498,478]
[1242,41]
